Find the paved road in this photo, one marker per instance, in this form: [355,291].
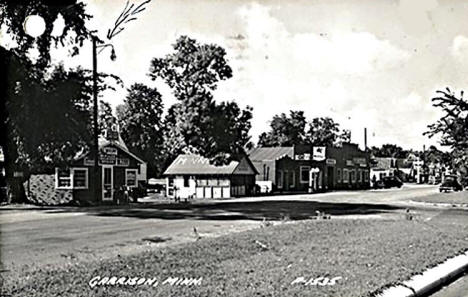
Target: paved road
[456,289]
[60,236]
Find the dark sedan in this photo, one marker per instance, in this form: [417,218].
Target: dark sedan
[450,184]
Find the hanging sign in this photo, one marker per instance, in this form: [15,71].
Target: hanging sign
[318,153]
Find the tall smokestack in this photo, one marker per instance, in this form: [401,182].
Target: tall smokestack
[365,139]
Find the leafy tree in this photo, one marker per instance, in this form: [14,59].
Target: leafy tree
[13,14]
[453,125]
[52,124]
[323,131]
[140,119]
[389,151]
[193,71]
[294,129]
[105,116]
[285,130]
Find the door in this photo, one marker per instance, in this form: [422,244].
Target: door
[330,178]
[107,183]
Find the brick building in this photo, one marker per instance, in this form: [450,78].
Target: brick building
[305,168]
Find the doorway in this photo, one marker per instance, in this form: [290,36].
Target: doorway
[107,183]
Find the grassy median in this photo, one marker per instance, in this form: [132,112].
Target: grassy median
[361,256]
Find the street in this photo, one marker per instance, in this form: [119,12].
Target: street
[459,288]
[32,238]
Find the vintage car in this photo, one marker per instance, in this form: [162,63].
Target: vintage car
[450,183]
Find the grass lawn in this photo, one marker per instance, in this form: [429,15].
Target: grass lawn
[458,198]
[367,254]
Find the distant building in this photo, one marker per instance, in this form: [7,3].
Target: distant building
[192,176]
[387,166]
[305,168]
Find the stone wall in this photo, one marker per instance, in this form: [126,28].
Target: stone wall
[42,191]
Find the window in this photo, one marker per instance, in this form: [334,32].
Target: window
[171,181]
[366,176]
[63,178]
[80,178]
[292,180]
[280,179]
[345,175]
[186,181]
[338,175]
[131,177]
[73,178]
[202,182]
[304,171]
[352,176]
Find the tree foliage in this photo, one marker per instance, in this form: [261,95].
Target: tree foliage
[285,130]
[453,125]
[13,14]
[389,151]
[46,120]
[196,123]
[295,129]
[140,120]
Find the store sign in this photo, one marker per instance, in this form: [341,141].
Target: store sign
[110,151]
[107,160]
[360,162]
[318,153]
[331,162]
[349,163]
[305,157]
[123,162]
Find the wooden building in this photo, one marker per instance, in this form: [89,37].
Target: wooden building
[192,176]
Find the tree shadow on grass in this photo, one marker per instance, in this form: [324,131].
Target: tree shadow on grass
[254,210]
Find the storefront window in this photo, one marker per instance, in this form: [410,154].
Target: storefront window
[304,171]
[74,178]
[80,178]
[213,182]
[345,175]
[292,179]
[131,177]
[202,182]
[280,179]
[338,174]
[224,182]
[63,178]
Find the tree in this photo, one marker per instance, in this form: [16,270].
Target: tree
[389,151]
[323,131]
[285,130]
[105,116]
[294,129]
[13,13]
[453,125]
[46,120]
[193,124]
[140,119]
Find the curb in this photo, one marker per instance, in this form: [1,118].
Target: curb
[432,278]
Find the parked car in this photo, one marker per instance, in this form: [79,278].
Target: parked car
[450,184]
[389,182]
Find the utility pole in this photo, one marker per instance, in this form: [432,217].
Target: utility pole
[95,123]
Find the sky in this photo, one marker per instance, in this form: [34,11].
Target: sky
[365,63]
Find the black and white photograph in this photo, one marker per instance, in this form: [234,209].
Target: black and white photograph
[234,148]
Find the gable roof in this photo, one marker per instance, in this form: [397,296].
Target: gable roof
[271,153]
[102,142]
[194,165]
